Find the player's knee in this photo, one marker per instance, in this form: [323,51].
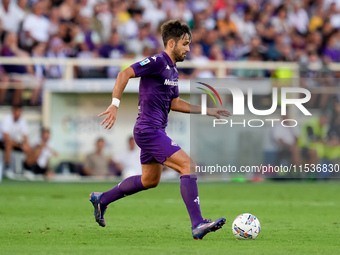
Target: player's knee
[149,184]
[188,168]
[184,171]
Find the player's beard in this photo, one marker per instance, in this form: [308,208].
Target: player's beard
[178,56]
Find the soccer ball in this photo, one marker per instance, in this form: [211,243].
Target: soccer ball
[246,226]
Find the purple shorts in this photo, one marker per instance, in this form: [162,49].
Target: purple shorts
[155,145]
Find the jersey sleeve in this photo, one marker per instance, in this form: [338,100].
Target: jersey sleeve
[146,67]
[176,92]
[6,125]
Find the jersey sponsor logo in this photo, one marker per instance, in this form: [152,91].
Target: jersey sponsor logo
[154,58]
[173,143]
[170,83]
[144,62]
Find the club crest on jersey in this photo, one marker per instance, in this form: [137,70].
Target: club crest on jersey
[173,143]
[144,62]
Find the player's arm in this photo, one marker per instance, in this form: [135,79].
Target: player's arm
[121,81]
[25,139]
[179,105]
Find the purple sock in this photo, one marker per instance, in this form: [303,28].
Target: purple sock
[190,197]
[129,186]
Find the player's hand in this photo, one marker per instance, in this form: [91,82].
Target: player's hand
[218,112]
[26,147]
[110,119]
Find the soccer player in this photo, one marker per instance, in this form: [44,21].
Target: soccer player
[158,94]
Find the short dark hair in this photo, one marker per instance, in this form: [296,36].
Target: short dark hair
[174,29]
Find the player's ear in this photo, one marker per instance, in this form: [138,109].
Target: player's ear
[171,43]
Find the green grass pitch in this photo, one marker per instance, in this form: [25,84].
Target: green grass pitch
[53,218]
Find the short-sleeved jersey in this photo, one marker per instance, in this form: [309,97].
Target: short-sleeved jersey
[158,87]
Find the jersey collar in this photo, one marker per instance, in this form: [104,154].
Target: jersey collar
[168,59]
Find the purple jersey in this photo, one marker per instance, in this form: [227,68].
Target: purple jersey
[158,86]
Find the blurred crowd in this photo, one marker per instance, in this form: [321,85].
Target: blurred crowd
[306,31]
